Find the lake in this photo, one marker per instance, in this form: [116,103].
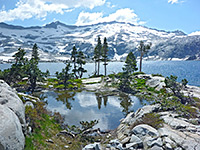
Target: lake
[183,69]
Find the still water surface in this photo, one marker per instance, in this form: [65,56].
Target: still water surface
[87,106]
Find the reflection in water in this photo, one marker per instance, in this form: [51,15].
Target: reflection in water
[125,103]
[66,98]
[87,106]
[105,100]
[99,98]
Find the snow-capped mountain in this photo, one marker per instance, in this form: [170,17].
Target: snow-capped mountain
[55,40]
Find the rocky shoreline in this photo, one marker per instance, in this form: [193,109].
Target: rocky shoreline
[175,132]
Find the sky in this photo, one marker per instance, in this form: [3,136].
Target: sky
[166,15]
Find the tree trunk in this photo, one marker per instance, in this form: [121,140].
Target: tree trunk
[105,68]
[95,71]
[75,69]
[98,67]
[141,54]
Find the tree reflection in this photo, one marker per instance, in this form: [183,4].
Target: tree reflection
[99,98]
[125,103]
[66,97]
[105,100]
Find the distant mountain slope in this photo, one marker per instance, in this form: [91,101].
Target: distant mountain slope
[57,39]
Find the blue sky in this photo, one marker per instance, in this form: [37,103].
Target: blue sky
[167,15]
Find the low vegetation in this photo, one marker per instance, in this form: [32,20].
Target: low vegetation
[152,119]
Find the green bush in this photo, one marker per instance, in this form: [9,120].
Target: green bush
[137,73]
[157,74]
[52,79]
[60,86]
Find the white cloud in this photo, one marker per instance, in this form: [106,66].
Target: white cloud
[88,18]
[109,5]
[121,15]
[26,9]
[174,1]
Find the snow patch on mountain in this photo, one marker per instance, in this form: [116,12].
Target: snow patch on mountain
[194,33]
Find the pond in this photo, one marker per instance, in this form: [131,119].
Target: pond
[88,106]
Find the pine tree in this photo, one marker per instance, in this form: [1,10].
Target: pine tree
[34,73]
[17,70]
[19,57]
[104,55]
[35,54]
[64,75]
[81,61]
[130,64]
[74,60]
[97,54]
[129,67]
[143,49]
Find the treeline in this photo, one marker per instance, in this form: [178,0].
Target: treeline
[27,69]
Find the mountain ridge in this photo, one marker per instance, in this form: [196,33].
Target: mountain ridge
[56,39]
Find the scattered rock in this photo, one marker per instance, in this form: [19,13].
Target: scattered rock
[95,146]
[156,148]
[64,132]
[136,142]
[49,141]
[66,146]
[126,140]
[29,104]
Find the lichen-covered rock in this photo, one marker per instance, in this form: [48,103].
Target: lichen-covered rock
[11,136]
[9,98]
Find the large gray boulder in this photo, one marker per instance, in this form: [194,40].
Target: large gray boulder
[156,82]
[144,130]
[11,135]
[9,98]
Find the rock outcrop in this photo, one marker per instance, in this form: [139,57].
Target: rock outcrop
[176,133]
[11,135]
[9,98]
[12,118]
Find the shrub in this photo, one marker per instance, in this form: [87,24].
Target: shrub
[152,119]
[137,73]
[157,74]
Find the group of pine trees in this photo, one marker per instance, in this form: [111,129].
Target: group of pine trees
[101,54]
[24,68]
